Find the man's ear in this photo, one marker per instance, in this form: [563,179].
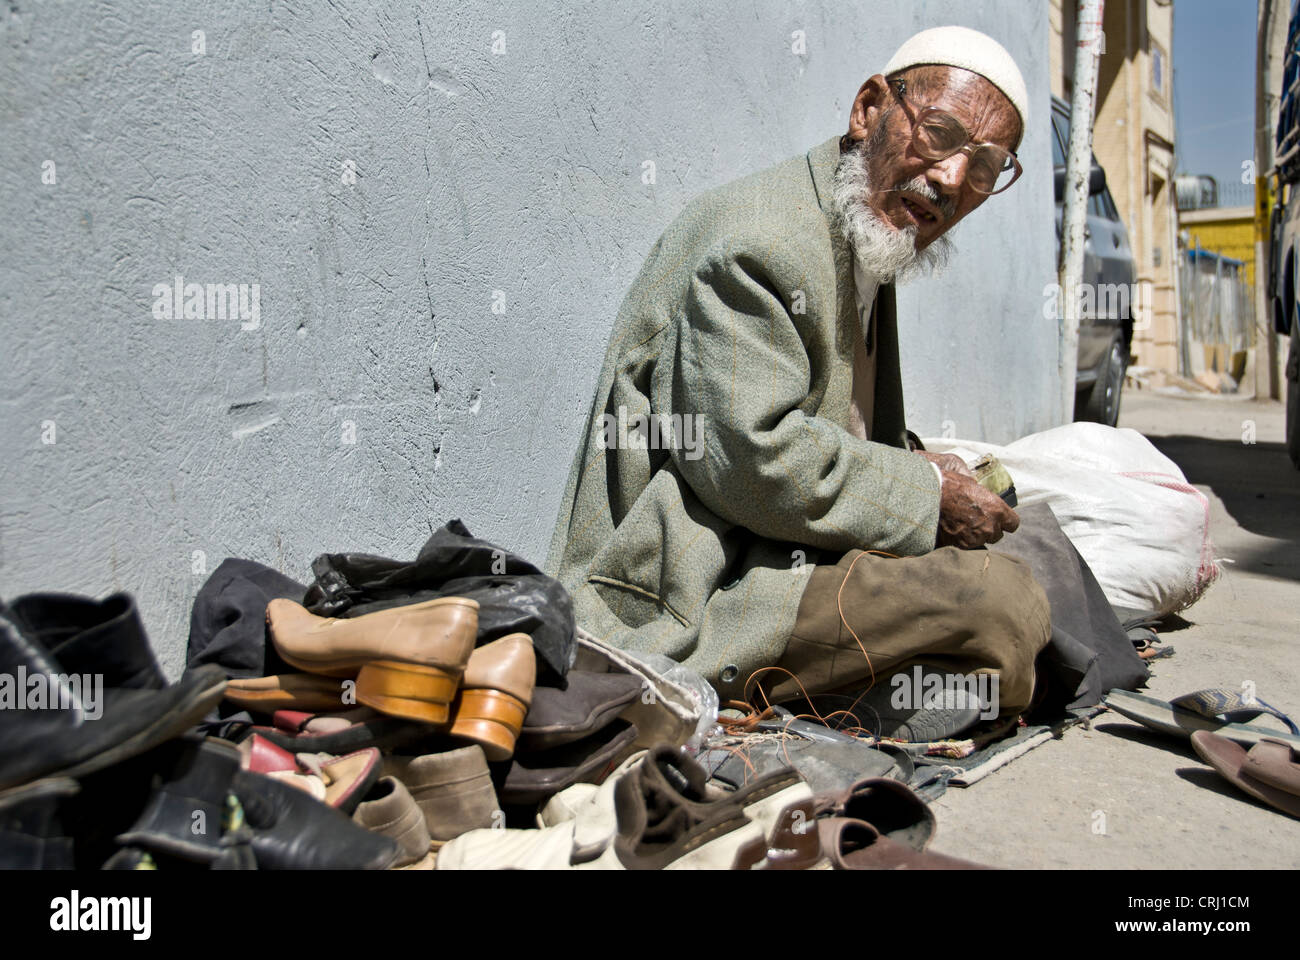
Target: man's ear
[868,108]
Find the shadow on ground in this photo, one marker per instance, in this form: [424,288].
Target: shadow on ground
[1135,733]
[1259,487]
[1209,779]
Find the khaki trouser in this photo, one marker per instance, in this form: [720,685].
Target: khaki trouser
[965,611]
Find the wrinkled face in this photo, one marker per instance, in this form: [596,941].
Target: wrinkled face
[893,163]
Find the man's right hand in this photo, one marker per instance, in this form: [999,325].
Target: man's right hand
[970,516]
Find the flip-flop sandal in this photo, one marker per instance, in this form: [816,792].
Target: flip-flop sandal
[1152,652]
[1216,710]
[1269,772]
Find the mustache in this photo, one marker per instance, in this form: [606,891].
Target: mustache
[920,187]
[882,251]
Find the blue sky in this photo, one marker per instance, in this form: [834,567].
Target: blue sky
[1214,86]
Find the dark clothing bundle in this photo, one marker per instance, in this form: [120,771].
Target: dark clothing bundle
[227,624]
[1089,651]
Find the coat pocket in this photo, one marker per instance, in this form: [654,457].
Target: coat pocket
[666,558]
[635,606]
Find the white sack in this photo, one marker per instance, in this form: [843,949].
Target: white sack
[1128,509]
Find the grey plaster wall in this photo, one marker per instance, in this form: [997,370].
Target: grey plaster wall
[499,153]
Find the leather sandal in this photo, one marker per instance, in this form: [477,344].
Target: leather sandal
[340,782]
[1268,772]
[857,845]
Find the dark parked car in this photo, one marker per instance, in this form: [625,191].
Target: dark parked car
[1106,331]
[1284,272]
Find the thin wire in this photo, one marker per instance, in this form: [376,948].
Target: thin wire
[755,715]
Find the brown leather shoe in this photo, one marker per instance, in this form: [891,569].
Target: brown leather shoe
[407,660]
[389,809]
[857,845]
[495,694]
[453,790]
[881,824]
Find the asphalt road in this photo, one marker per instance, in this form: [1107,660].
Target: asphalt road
[1159,805]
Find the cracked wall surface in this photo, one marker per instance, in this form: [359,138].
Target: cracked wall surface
[441,206]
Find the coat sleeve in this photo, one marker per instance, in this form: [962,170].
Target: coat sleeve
[739,369]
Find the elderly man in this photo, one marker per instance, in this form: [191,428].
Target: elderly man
[798,542]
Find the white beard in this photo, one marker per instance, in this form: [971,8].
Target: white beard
[886,254]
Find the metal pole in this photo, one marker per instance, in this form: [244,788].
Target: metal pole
[1078,166]
[1216,306]
[1270,51]
[1176,271]
[1187,310]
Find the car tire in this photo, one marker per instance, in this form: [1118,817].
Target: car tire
[1293,396]
[1102,404]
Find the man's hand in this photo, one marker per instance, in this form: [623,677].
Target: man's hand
[947,462]
[969,515]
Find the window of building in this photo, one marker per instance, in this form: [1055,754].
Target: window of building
[1157,69]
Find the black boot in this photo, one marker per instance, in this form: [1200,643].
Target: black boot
[184,816]
[292,830]
[92,636]
[32,836]
[111,801]
[56,722]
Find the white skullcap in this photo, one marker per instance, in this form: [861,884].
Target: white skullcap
[970,50]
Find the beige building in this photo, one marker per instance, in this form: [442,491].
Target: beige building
[1133,138]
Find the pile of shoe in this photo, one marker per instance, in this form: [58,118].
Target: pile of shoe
[657,811]
[408,740]
[574,735]
[408,680]
[99,767]
[392,741]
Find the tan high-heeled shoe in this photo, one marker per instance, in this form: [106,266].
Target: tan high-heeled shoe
[495,694]
[407,661]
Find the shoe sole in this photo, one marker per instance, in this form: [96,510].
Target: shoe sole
[408,690]
[309,693]
[1163,717]
[491,718]
[931,726]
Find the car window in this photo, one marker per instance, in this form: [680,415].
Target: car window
[1095,208]
[1109,202]
[1058,150]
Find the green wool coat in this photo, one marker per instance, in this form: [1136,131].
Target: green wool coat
[694,537]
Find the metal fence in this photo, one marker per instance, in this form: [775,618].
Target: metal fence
[1215,305]
[1206,193]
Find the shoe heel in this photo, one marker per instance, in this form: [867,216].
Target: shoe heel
[492,718]
[412,691]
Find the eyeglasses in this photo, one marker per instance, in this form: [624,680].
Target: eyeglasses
[937,135]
